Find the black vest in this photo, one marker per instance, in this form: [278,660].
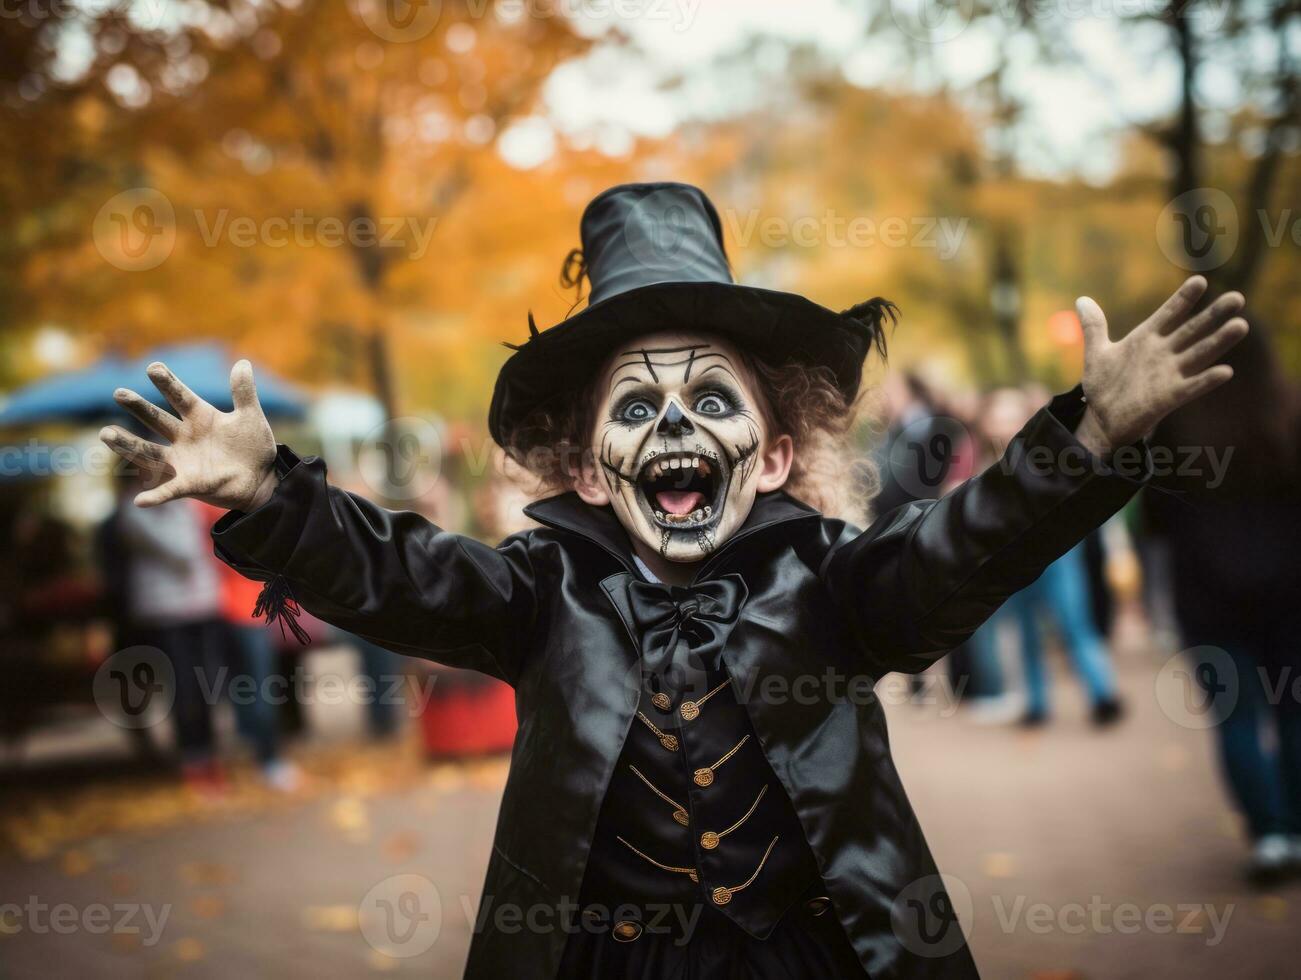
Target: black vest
[693,812]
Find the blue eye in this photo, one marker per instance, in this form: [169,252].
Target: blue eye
[712,403]
[637,410]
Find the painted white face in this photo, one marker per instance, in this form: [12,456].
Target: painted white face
[678,440]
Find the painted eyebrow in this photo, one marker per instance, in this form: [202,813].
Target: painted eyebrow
[646,352]
[726,369]
[629,377]
[639,351]
[690,361]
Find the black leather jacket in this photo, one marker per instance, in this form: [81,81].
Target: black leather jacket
[824,599]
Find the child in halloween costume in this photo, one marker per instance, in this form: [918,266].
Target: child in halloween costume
[701,783]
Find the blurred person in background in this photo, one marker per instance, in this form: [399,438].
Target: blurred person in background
[380,667]
[927,452]
[976,668]
[174,603]
[250,649]
[918,452]
[1062,592]
[1232,525]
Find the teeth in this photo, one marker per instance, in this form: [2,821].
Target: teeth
[664,465]
[709,511]
[697,515]
[659,514]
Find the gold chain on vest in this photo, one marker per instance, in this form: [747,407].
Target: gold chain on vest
[690,872]
[709,840]
[679,811]
[722,896]
[670,742]
[704,777]
[691,709]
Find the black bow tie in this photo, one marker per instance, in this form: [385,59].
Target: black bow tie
[700,616]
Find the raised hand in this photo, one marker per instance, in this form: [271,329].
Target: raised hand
[223,458]
[1163,363]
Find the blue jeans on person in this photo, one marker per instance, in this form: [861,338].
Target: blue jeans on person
[256,715]
[195,651]
[985,670]
[382,667]
[1062,591]
[1265,781]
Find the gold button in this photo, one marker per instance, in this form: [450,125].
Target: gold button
[625,931]
[819,905]
[690,710]
[670,742]
[709,840]
[662,701]
[681,817]
[703,777]
[722,896]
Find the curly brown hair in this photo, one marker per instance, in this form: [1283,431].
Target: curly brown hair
[803,402]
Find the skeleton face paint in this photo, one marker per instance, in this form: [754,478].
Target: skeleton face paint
[677,439]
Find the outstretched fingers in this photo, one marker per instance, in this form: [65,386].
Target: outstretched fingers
[148,455]
[152,460]
[1213,346]
[177,393]
[1186,334]
[164,423]
[165,491]
[1198,385]
[1181,301]
[1093,322]
[243,390]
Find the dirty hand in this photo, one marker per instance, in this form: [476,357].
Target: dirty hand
[223,458]
[1162,364]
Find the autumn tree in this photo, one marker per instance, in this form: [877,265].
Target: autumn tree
[304,152]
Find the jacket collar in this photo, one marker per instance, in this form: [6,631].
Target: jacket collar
[567,512]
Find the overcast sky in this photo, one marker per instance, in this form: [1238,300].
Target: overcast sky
[1074,105]
[1109,73]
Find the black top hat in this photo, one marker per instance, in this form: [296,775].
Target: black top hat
[653,254]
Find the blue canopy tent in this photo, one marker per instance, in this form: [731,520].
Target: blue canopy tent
[86,396]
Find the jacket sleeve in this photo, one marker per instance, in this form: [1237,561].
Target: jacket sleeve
[390,576]
[923,577]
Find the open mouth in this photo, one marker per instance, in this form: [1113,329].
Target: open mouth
[682,490]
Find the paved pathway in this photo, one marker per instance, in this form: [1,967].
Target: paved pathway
[1067,840]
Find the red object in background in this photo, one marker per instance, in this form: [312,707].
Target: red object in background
[1064,328]
[239,596]
[471,716]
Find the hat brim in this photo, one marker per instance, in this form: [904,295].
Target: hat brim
[777,327]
